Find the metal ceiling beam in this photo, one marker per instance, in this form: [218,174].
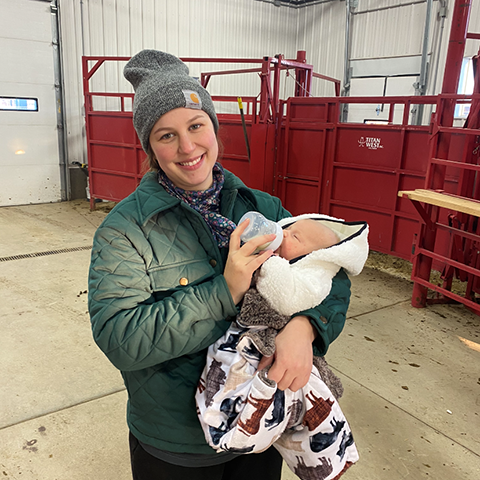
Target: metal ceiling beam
[295,3]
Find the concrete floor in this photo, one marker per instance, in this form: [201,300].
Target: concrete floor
[412,386]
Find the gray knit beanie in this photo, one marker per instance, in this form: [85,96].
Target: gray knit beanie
[161,83]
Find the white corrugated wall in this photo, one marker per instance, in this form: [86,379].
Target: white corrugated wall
[321,34]
[246,29]
[388,33]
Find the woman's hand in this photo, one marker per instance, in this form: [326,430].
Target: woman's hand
[293,358]
[241,262]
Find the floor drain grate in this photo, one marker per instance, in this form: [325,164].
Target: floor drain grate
[44,254]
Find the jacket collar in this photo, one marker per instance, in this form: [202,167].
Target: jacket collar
[152,198]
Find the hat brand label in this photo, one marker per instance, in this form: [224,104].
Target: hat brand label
[192,99]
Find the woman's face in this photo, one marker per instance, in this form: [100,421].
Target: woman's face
[185,145]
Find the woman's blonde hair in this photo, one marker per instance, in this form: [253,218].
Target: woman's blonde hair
[150,164]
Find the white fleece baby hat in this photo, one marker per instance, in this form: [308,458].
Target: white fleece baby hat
[292,287]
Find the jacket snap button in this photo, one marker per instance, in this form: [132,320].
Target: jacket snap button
[183,281]
[213,262]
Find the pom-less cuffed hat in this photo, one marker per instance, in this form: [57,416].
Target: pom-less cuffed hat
[161,83]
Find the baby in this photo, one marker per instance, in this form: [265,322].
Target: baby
[240,409]
[305,236]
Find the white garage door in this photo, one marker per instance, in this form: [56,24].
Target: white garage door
[29,157]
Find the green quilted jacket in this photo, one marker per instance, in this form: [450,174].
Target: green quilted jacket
[158,299]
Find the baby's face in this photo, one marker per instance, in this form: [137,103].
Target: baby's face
[304,237]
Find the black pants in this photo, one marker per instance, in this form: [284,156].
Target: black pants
[260,466]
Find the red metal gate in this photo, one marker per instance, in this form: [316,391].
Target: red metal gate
[299,151]
[115,156]
[353,170]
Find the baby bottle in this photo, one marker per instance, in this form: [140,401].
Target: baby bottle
[258,226]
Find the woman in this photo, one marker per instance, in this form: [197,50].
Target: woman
[167,275]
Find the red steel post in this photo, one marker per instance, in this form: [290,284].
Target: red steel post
[88,107]
[276,88]
[300,77]
[265,96]
[453,66]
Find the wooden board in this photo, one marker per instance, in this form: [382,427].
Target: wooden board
[458,204]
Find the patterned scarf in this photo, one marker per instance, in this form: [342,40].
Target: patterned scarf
[205,202]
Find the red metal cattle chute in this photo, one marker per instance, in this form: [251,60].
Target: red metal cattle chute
[115,155]
[300,151]
[354,170]
[449,238]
